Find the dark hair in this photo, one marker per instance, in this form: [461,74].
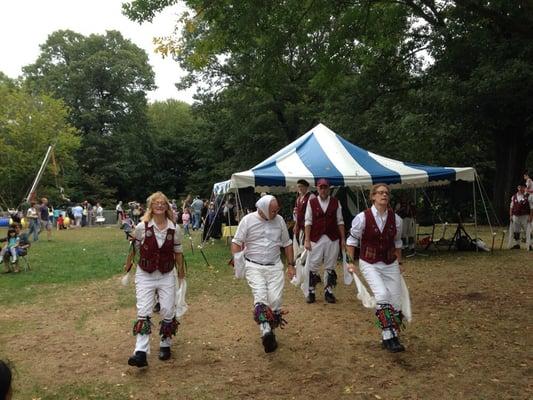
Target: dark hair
[302,182]
[5,380]
[11,230]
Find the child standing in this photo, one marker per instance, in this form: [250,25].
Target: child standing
[11,246]
[186,218]
[60,223]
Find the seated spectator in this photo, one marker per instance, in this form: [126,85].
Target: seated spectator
[13,241]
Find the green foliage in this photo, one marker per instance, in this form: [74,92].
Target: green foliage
[28,125]
[177,144]
[103,79]
[431,82]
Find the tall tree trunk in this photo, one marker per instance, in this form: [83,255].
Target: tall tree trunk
[510,154]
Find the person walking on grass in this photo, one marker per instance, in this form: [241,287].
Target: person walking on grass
[376,234]
[158,240]
[45,218]
[33,217]
[261,235]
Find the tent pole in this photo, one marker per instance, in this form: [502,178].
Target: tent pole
[475,212]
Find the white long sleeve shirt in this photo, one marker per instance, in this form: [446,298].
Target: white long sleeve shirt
[359,224]
[160,235]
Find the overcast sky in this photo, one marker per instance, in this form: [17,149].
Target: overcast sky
[25,24]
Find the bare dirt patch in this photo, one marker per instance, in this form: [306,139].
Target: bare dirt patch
[470,339]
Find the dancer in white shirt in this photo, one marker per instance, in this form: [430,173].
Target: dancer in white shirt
[324,236]
[261,234]
[376,234]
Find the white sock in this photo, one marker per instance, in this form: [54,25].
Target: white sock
[264,327]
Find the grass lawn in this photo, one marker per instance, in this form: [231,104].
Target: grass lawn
[66,327]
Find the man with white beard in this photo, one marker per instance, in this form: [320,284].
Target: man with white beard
[260,235]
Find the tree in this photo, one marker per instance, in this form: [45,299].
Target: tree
[177,144]
[425,80]
[28,125]
[103,79]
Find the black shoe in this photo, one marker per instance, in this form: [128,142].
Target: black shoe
[329,297]
[157,307]
[164,353]
[310,298]
[269,342]
[138,360]
[390,346]
[386,344]
[397,347]
[515,247]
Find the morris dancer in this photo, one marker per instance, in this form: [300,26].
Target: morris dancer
[520,214]
[324,231]
[300,206]
[261,234]
[158,239]
[378,231]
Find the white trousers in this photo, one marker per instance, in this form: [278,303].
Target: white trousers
[145,286]
[324,251]
[385,282]
[519,223]
[266,282]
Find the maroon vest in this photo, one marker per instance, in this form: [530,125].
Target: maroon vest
[520,207]
[153,257]
[378,246]
[301,206]
[324,223]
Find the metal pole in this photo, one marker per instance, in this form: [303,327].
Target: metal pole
[475,211]
[37,179]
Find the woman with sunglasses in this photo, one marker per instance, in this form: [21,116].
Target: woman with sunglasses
[376,234]
[158,239]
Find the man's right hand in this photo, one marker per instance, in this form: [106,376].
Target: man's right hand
[351,267]
[307,244]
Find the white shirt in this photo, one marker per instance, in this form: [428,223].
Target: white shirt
[529,186]
[32,213]
[359,224]
[160,235]
[520,197]
[324,205]
[262,239]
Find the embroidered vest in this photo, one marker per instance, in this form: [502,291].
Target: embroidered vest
[301,206]
[154,257]
[378,246]
[324,223]
[520,207]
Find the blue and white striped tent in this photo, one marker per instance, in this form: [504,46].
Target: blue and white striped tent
[321,153]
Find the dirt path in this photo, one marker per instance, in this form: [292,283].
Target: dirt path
[468,341]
